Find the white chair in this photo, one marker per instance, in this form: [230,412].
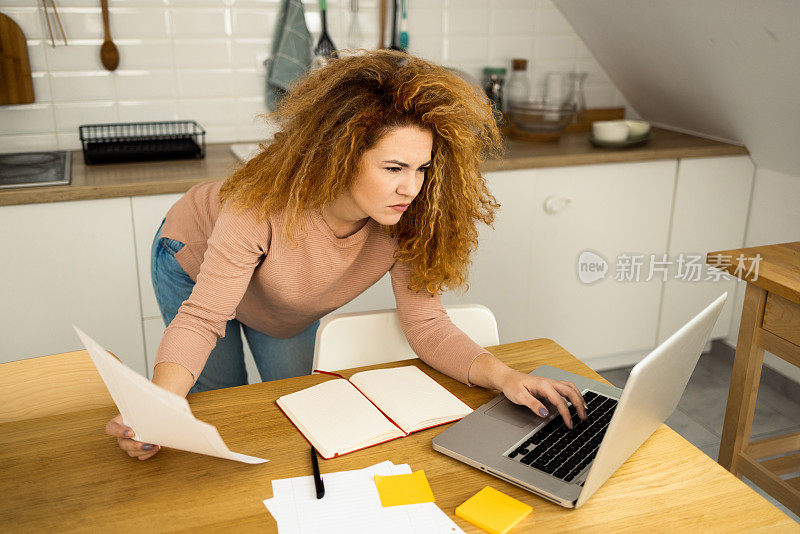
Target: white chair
[367,338]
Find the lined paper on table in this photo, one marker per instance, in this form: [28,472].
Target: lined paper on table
[351,504]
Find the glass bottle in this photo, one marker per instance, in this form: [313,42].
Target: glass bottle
[493,80]
[519,86]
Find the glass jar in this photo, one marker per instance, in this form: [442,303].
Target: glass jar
[519,86]
[493,80]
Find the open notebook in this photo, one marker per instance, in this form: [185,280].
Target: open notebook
[341,416]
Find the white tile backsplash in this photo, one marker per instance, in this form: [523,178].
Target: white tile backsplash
[28,19]
[208,112]
[145,84]
[70,115]
[512,21]
[550,20]
[253,22]
[191,22]
[139,23]
[467,21]
[147,110]
[205,83]
[88,85]
[467,48]
[202,53]
[421,22]
[26,119]
[144,54]
[203,59]
[83,54]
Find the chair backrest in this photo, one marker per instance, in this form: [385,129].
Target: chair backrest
[50,385]
[368,338]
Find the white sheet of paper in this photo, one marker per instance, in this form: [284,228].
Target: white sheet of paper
[156,415]
[351,504]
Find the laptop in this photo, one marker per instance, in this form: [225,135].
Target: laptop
[545,457]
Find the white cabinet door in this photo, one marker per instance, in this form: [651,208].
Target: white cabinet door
[68,263]
[148,211]
[500,272]
[612,210]
[710,213]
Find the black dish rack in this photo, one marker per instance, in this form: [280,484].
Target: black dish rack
[142,141]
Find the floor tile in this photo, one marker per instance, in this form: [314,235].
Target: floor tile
[617,377]
[713,453]
[779,401]
[705,400]
[772,500]
[701,410]
[690,430]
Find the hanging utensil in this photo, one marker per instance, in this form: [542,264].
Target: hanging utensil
[394,45]
[109,55]
[47,16]
[325,49]
[354,32]
[382,24]
[404,26]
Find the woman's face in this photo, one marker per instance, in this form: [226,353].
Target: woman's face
[391,174]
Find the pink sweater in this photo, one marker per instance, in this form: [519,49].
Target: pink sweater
[248,270]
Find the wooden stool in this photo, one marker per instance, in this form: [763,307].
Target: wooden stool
[771,321]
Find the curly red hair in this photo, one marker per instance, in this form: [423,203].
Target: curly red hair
[335,114]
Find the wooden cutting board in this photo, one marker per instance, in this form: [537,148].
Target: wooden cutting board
[16,85]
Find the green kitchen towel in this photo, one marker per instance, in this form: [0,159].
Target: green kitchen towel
[291,51]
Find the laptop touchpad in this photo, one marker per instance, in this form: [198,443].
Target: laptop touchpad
[517,415]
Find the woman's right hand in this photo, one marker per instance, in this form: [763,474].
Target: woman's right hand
[135,449]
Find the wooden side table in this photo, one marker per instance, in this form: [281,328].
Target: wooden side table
[770,321]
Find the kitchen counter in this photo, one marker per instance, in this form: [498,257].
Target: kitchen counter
[162,177]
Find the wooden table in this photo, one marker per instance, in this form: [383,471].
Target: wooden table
[62,473]
[771,321]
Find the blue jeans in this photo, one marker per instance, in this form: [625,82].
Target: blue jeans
[275,358]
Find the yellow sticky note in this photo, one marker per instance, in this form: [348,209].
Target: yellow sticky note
[493,511]
[395,490]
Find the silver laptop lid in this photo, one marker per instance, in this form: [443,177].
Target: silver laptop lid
[651,394]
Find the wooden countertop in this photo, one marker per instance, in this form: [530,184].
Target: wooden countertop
[162,177]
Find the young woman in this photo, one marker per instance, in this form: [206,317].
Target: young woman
[375,169]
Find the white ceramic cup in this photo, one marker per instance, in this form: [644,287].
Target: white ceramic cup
[638,128]
[610,131]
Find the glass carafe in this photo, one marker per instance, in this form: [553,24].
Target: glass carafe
[576,97]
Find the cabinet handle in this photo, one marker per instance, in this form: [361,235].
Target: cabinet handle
[553,205]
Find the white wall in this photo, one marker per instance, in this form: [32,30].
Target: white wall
[720,69]
[774,218]
[723,69]
[203,59]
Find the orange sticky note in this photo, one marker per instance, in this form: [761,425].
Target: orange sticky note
[493,511]
[396,490]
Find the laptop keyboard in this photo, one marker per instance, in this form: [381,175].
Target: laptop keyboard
[564,453]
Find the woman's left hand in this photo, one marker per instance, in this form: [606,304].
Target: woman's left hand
[521,388]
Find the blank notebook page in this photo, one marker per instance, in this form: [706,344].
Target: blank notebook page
[411,398]
[336,418]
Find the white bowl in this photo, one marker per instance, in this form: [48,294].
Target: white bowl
[638,128]
[610,131]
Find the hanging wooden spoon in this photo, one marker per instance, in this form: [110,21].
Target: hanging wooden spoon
[109,54]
